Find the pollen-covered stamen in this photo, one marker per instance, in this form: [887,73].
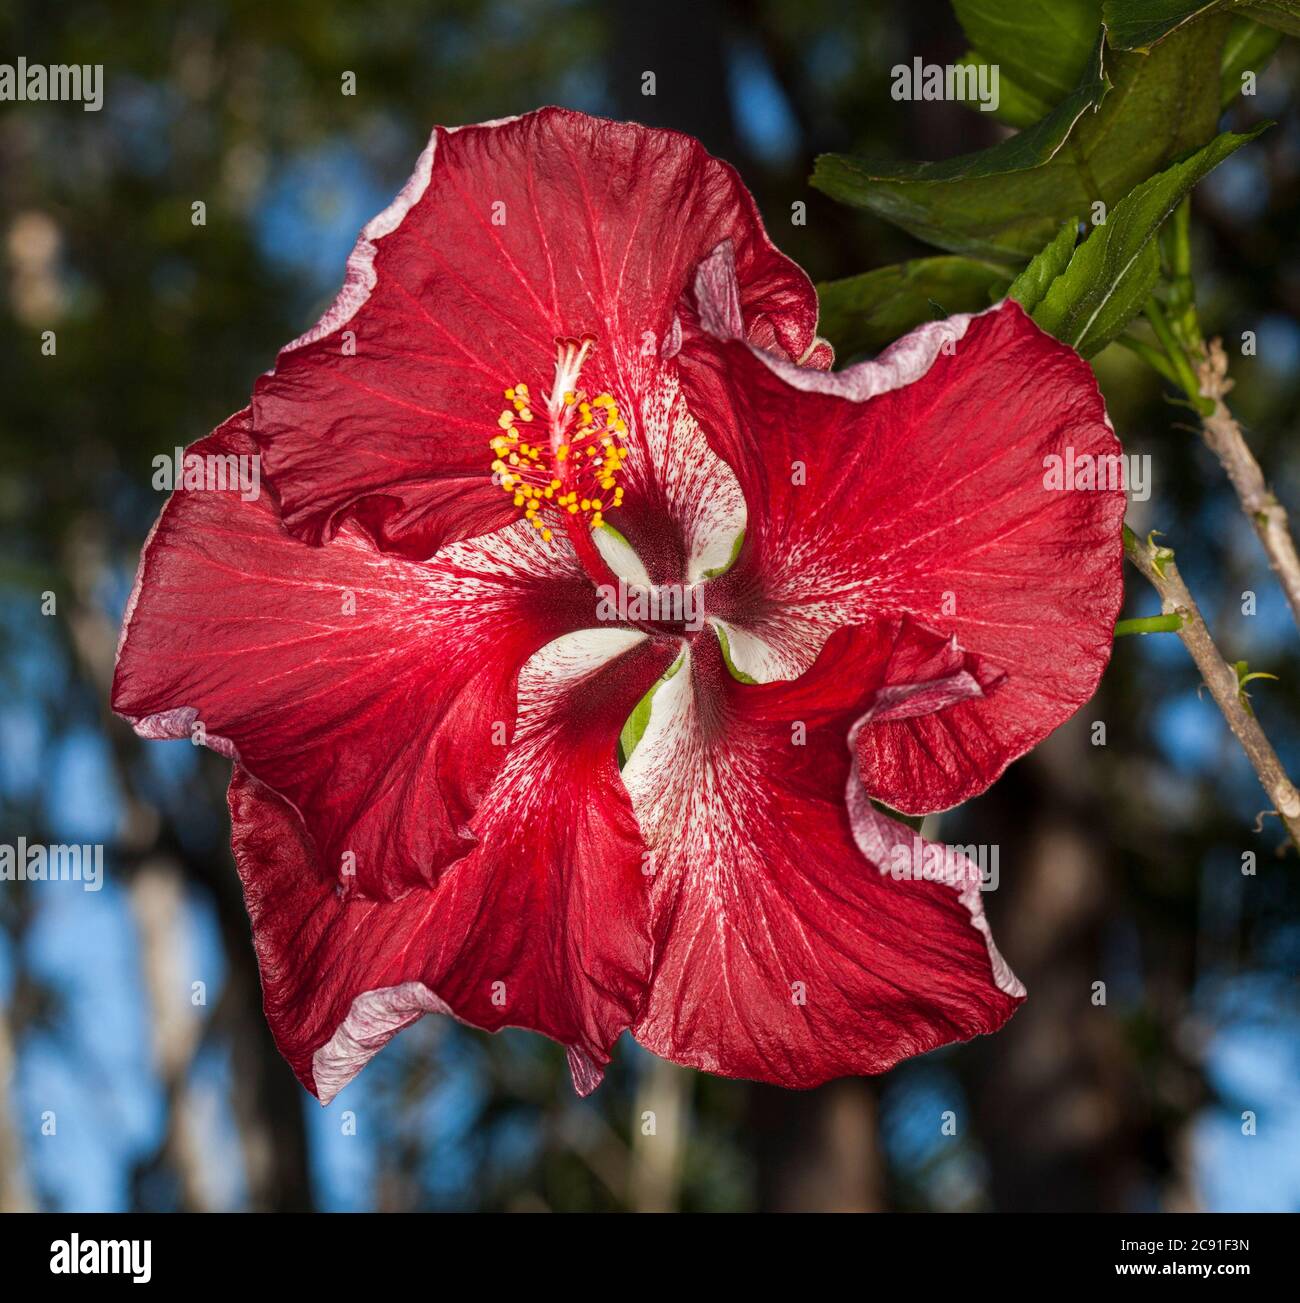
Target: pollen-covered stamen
[571,464]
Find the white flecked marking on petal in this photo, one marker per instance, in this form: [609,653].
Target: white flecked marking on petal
[701,492]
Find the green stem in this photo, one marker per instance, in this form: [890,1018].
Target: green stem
[1150,624]
[1178,356]
[1180,239]
[1153,357]
[1176,242]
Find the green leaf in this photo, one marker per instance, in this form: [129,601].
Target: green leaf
[1025,150]
[1017,107]
[1282,14]
[947,203]
[1042,47]
[1141,24]
[1113,272]
[1008,201]
[861,314]
[1029,287]
[1248,48]
[1108,308]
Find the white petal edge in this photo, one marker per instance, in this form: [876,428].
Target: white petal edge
[703,495]
[375,1017]
[877,835]
[751,655]
[905,361]
[359,278]
[178,722]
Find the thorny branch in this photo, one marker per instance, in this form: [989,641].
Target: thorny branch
[1266,514]
[1157,565]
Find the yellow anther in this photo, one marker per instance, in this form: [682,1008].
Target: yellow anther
[576,455]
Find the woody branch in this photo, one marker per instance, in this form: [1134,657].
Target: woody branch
[1158,567]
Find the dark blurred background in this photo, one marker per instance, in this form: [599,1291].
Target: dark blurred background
[1120,863]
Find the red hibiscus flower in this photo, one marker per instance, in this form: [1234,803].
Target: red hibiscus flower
[564,442]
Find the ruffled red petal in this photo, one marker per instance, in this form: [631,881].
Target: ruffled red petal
[376,695]
[917,484]
[545,925]
[508,236]
[788,947]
